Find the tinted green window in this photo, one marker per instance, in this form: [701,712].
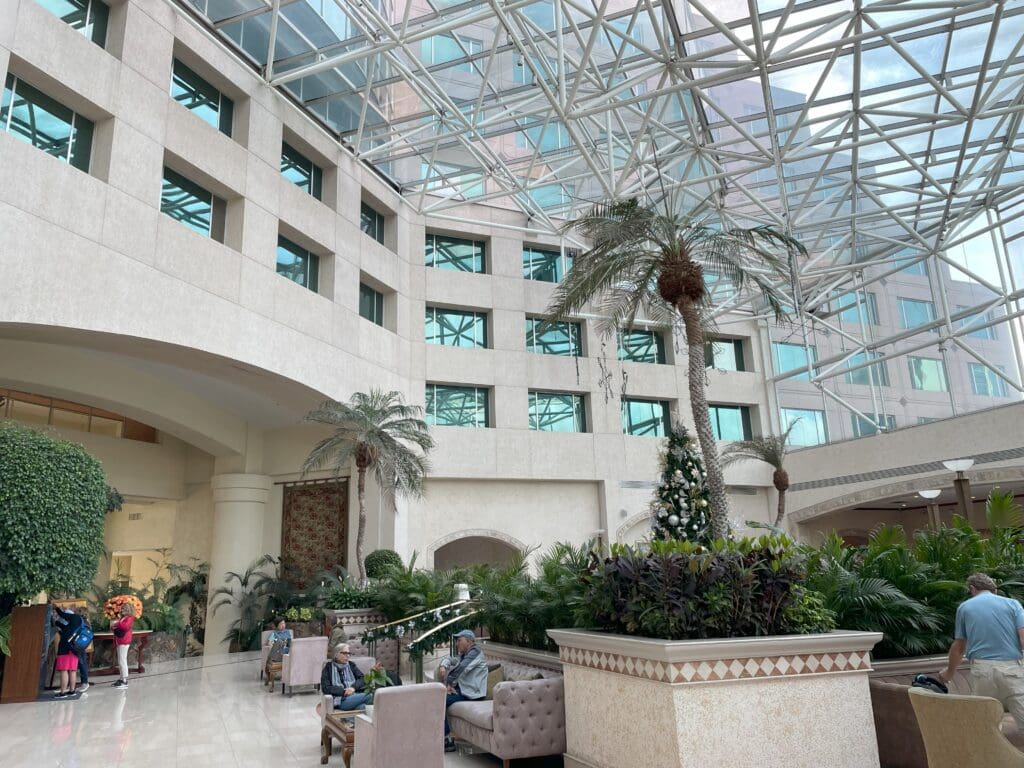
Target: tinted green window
[645,417]
[810,426]
[201,98]
[788,357]
[297,264]
[456,328]
[545,266]
[445,252]
[917,268]
[927,374]
[984,381]
[863,427]
[301,171]
[87,16]
[371,304]
[440,49]
[557,412]
[561,338]
[914,312]
[978,319]
[641,346]
[877,374]
[35,118]
[371,222]
[850,312]
[730,422]
[724,354]
[187,202]
[457,406]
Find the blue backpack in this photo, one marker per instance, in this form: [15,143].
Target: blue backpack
[81,637]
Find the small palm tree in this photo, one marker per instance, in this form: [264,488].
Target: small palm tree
[250,599]
[380,432]
[771,449]
[643,258]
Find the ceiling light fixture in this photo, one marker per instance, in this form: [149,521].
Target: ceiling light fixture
[929,494]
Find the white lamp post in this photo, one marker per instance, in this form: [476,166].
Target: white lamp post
[933,509]
[962,486]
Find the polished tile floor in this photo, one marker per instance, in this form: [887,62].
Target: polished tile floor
[194,712]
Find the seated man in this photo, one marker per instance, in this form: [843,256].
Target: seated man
[465,676]
[344,681]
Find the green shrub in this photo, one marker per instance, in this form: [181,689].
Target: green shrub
[347,596]
[381,562]
[53,498]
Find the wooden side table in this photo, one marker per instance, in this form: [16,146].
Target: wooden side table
[341,726]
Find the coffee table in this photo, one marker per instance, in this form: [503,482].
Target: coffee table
[340,725]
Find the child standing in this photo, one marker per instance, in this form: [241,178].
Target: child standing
[67,623]
[122,629]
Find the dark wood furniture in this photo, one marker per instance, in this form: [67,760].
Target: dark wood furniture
[25,668]
[142,635]
[340,725]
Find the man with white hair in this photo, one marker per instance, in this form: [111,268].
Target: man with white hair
[990,632]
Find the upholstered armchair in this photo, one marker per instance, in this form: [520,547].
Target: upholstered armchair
[963,731]
[326,705]
[406,730]
[303,662]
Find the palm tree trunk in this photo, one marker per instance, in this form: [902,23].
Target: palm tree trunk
[717,497]
[361,531]
[782,509]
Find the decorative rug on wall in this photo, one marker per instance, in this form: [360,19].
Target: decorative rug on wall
[314,531]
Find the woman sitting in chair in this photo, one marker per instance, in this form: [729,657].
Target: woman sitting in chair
[343,680]
[279,641]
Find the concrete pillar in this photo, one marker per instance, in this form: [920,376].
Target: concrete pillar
[239,508]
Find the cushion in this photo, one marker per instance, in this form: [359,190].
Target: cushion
[494,677]
[478,713]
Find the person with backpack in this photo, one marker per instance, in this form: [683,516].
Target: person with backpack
[68,624]
[122,629]
[83,658]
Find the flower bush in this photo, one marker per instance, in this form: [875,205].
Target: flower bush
[112,608]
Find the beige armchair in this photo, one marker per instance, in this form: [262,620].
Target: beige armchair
[406,730]
[303,663]
[963,731]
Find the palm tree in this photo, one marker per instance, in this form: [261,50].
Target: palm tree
[380,432]
[771,449]
[644,258]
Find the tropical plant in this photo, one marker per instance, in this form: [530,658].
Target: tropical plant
[771,449]
[381,433]
[5,635]
[373,679]
[411,590]
[246,593]
[192,585]
[53,498]
[380,562]
[656,260]
[348,596]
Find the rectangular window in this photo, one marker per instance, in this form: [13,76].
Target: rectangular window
[730,422]
[371,222]
[443,252]
[789,357]
[557,412]
[440,49]
[201,98]
[87,16]
[850,312]
[648,418]
[545,266]
[192,205]
[915,312]
[724,354]
[977,319]
[863,427]
[638,346]
[919,268]
[927,419]
[558,338]
[371,304]
[456,328]
[810,426]
[927,374]
[301,171]
[984,381]
[297,264]
[457,406]
[36,119]
[875,375]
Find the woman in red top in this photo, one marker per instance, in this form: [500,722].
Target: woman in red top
[122,629]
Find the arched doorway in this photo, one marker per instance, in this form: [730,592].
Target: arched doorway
[474,550]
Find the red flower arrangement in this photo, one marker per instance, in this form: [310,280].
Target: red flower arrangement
[112,608]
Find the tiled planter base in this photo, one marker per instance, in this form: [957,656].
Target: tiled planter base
[782,702]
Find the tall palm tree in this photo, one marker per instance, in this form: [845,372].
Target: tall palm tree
[771,449]
[645,258]
[380,432]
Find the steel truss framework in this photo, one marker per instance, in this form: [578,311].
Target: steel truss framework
[881,134]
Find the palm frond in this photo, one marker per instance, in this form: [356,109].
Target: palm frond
[771,449]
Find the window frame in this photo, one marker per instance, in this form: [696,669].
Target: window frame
[431,249]
[809,349]
[480,394]
[745,425]
[312,263]
[81,130]
[225,108]
[990,377]
[314,183]
[738,355]
[572,330]
[663,424]
[371,221]
[216,205]
[376,315]
[95,22]
[819,424]
[579,410]
[914,379]
[480,336]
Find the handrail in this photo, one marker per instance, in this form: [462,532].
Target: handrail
[421,613]
[454,620]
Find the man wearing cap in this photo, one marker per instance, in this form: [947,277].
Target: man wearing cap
[465,676]
[990,631]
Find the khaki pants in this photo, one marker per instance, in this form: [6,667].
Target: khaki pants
[1002,680]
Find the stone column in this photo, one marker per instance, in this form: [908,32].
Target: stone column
[239,507]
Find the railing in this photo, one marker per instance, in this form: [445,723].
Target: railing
[416,656]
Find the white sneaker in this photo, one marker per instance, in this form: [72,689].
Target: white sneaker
[83,688]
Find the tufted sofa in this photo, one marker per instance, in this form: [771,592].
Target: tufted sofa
[525,717]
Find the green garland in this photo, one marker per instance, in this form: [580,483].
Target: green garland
[418,624]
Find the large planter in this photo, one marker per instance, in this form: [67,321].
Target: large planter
[795,701]
[356,621]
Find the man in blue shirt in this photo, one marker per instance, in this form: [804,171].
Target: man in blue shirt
[990,632]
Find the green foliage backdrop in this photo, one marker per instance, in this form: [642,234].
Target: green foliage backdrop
[53,498]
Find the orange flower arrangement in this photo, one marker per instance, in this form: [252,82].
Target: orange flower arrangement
[112,608]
